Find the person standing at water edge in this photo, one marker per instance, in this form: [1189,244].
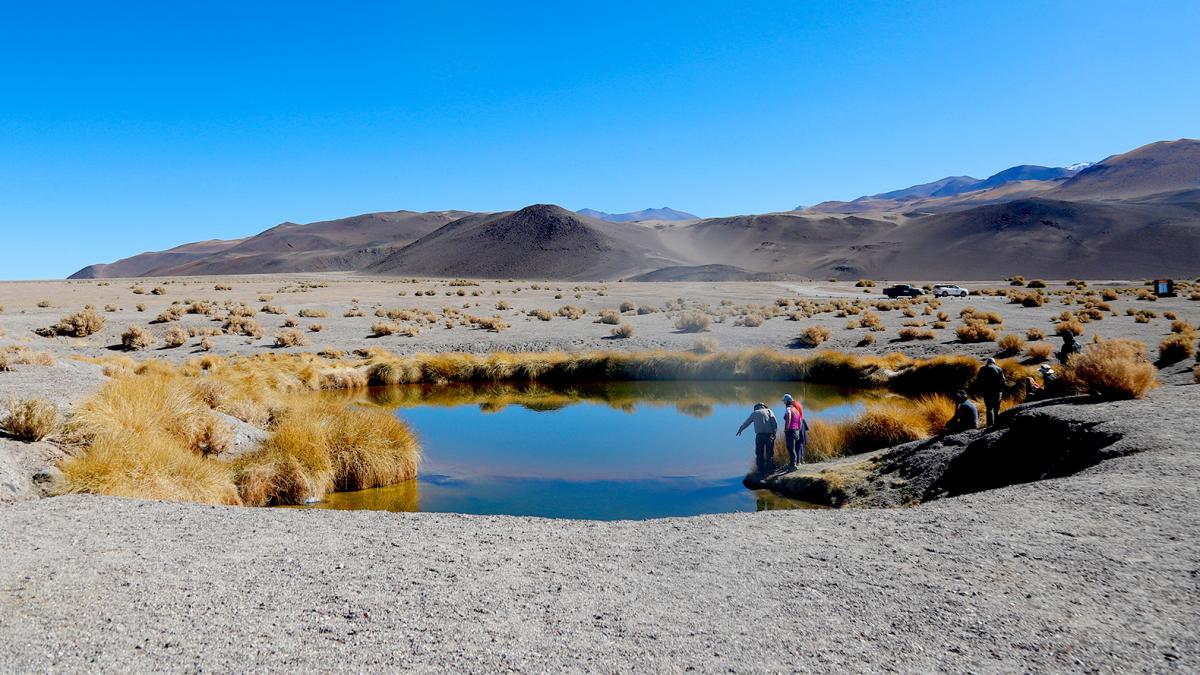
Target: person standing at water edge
[765,426]
[794,430]
[990,384]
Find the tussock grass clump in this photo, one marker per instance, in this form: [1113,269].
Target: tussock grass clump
[1035,334]
[1011,343]
[705,346]
[273,309]
[1072,326]
[313,313]
[148,466]
[692,322]
[136,338]
[571,312]
[541,314]
[911,333]
[814,335]
[176,337]
[1112,369]
[623,331]
[31,419]
[1036,283]
[628,306]
[1039,351]
[975,331]
[80,324]
[242,325]
[290,338]
[609,316]
[884,424]
[321,446]
[382,328]
[1176,347]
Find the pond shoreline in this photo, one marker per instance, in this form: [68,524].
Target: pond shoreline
[1086,571]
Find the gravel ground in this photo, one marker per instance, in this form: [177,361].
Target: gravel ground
[1095,571]
[652,331]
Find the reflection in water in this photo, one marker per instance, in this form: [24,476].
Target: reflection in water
[614,450]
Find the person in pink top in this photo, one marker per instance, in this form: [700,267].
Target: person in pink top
[795,431]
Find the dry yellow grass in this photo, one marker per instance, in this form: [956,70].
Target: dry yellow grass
[1112,369]
[692,322]
[623,331]
[975,331]
[1176,347]
[1011,343]
[155,403]
[30,419]
[147,466]
[1039,351]
[80,324]
[814,335]
[136,338]
[882,424]
[320,446]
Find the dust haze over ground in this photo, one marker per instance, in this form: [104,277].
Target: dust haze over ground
[1096,570]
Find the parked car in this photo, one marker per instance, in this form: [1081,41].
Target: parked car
[903,291]
[950,290]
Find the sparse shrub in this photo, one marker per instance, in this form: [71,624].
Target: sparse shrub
[609,316]
[290,338]
[30,419]
[646,309]
[206,344]
[1170,315]
[1108,294]
[313,313]
[502,305]
[315,327]
[692,322]
[864,283]
[1035,334]
[353,312]
[176,337]
[136,338]
[628,306]
[1011,343]
[222,287]
[1176,347]
[623,331]
[571,312]
[867,340]
[493,324]
[910,333]
[1036,283]
[80,324]
[1181,326]
[705,345]
[1112,369]
[172,313]
[814,335]
[975,331]
[541,314]
[1017,280]
[158,290]
[871,321]
[382,328]
[1064,327]
[141,307]
[290,322]
[242,325]
[750,320]
[1039,351]
[273,309]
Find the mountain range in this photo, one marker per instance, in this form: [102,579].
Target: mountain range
[1131,215]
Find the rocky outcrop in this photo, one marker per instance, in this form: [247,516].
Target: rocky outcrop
[1036,441]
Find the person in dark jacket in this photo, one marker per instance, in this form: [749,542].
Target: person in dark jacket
[1070,346]
[989,383]
[765,427]
[966,415]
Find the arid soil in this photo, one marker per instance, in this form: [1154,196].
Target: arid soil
[335,294]
[1093,571]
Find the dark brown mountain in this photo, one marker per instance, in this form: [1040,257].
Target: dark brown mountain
[542,241]
[1157,168]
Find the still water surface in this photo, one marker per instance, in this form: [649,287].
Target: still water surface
[605,451]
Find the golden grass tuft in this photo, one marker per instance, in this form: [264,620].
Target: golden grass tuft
[623,331]
[147,465]
[814,335]
[150,404]
[320,446]
[176,337]
[290,337]
[80,324]
[1112,369]
[136,338]
[1039,351]
[1011,343]
[975,331]
[30,419]
[692,322]
[1176,347]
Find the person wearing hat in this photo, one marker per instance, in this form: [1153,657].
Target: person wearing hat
[795,431]
[990,383]
[765,426]
[1047,387]
[966,415]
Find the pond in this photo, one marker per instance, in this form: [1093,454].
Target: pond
[604,451]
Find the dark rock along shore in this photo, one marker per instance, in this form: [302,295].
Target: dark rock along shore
[1094,570]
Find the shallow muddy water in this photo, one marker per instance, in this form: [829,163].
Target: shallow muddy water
[609,451]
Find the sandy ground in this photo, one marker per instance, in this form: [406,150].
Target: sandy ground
[652,331]
[1096,571]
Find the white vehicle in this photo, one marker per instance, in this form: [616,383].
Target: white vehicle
[948,290]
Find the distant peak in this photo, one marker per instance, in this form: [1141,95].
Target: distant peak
[661,213]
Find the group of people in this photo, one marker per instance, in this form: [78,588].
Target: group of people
[766,428]
[989,384]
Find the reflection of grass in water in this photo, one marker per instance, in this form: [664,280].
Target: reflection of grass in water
[695,399]
[401,497]
[769,501]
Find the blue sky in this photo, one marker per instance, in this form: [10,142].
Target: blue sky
[135,126]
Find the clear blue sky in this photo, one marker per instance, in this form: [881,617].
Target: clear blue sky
[131,126]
